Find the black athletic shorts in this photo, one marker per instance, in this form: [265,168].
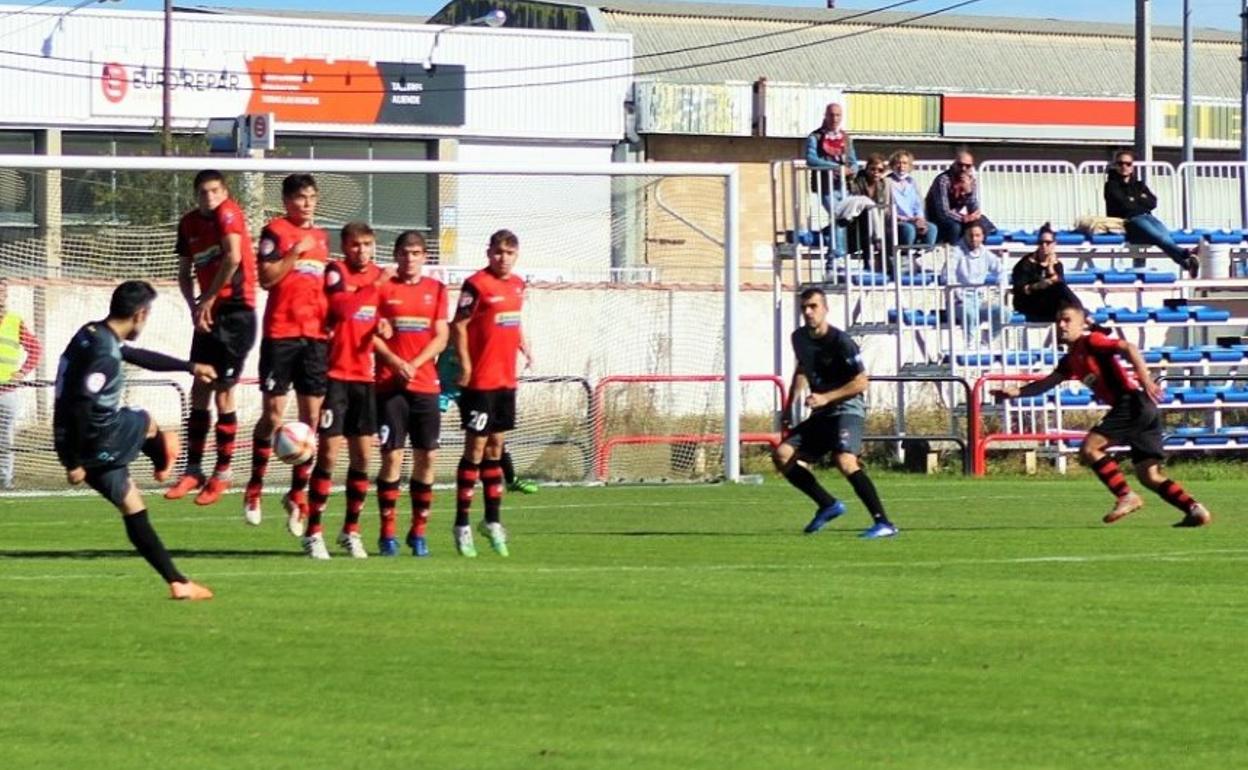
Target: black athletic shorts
[487,411]
[350,409]
[108,469]
[403,414]
[300,361]
[227,345]
[823,432]
[1134,421]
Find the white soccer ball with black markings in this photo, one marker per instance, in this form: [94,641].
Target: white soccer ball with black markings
[295,443]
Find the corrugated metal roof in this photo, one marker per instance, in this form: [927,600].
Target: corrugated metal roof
[782,13]
[919,58]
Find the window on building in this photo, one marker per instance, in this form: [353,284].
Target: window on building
[105,195]
[17,188]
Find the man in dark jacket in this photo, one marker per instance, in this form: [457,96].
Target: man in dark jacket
[1129,198]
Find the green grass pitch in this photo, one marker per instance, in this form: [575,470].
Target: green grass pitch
[683,627]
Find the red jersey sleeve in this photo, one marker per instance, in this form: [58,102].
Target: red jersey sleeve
[269,249]
[183,247]
[468,301]
[1100,342]
[335,281]
[230,219]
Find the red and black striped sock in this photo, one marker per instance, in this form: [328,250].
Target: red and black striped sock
[1110,474]
[1172,492]
[466,476]
[227,429]
[317,497]
[196,437]
[422,501]
[387,502]
[261,451]
[299,476]
[492,481]
[357,494]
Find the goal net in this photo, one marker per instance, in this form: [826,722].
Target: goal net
[625,309]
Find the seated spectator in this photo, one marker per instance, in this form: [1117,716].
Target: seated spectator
[865,237]
[830,155]
[912,226]
[952,200]
[1039,283]
[1128,197]
[974,263]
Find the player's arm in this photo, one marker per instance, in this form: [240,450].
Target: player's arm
[1033,388]
[391,359]
[854,387]
[459,332]
[34,351]
[274,265]
[159,362]
[441,334]
[186,280]
[797,384]
[525,350]
[1130,352]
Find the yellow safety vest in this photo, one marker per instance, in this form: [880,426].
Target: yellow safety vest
[10,345]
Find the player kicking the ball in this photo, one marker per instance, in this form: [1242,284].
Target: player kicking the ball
[413,323]
[1133,420]
[214,251]
[293,254]
[349,414]
[487,338]
[829,363]
[96,439]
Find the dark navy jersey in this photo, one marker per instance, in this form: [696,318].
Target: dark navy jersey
[830,362]
[90,381]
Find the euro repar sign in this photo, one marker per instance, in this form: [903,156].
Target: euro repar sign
[342,91]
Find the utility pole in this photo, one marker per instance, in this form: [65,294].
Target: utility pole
[1143,80]
[1243,84]
[166,94]
[1189,151]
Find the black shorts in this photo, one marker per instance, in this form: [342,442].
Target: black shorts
[227,345]
[403,414]
[108,469]
[822,433]
[350,409]
[1134,421]
[487,411]
[300,361]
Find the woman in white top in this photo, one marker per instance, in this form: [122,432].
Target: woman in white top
[973,263]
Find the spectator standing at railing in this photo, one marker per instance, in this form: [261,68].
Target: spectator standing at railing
[1039,283]
[953,200]
[974,266]
[16,341]
[870,183]
[830,156]
[912,226]
[1128,197]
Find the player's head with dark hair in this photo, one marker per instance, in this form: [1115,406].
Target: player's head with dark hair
[410,254]
[297,183]
[1073,320]
[503,250]
[814,305]
[131,303]
[359,243]
[208,175]
[210,190]
[299,196]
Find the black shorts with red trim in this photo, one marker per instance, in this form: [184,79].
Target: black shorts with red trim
[1134,421]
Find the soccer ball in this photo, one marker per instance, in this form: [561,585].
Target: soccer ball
[295,443]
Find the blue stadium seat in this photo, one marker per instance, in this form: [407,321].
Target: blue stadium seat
[1206,313]
[1233,394]
[1195,395]
[1075,397]
[1187,237]
[1156,276]
[996,239]
[1169,315]
[918,279]
[1231,237]
[1070,238]
[1118,276]
[975,359]
[1108,239]
[1221,355]
[1237,432]
[868,279]
[1124,315]
[1151,356]
[1101,314]
[1186,355]
[1080,278]
[911,316]
[1021,357]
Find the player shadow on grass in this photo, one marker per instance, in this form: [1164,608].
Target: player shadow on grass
[126,553]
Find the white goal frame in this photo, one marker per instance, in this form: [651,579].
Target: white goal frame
[728,172]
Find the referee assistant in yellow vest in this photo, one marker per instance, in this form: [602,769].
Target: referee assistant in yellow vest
[19,355]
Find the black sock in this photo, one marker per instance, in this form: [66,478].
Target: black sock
[865,490]
[804,480]
[509,469]
[148,544]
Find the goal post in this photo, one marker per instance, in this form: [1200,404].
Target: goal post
[633,260]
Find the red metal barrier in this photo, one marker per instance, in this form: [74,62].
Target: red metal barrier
[980,442]
[603,446]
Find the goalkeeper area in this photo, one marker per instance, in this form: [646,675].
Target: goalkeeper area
[643,627]
[625,309]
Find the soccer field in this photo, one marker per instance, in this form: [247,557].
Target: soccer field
[685,627]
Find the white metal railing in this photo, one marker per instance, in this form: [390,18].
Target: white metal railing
[1024,194]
